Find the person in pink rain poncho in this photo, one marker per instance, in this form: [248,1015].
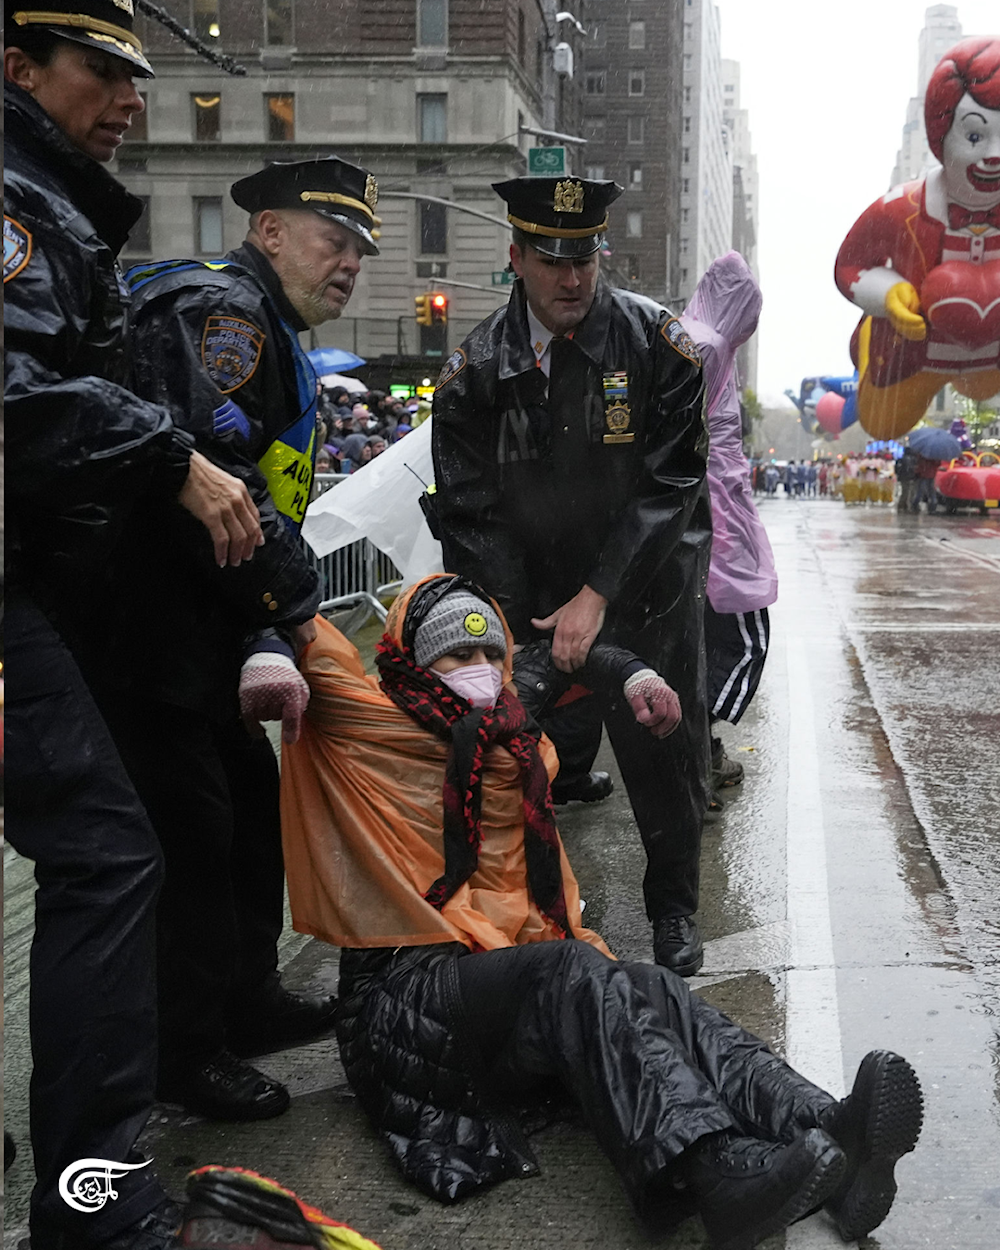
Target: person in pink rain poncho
[742,583]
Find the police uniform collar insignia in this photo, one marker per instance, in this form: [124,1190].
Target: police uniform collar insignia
[568,197]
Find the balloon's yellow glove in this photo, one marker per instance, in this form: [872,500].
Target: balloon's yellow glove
[902,307]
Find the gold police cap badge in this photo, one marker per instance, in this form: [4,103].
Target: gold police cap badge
[568,197]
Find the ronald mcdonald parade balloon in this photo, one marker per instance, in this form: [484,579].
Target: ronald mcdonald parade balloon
[923,262]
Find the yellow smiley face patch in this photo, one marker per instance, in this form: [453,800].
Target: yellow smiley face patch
[475,624]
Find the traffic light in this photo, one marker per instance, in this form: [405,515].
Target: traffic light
[439,307]
[423,309]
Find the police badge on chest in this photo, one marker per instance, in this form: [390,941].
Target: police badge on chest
[617,411]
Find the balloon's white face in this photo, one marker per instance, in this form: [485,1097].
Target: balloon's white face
[971,156]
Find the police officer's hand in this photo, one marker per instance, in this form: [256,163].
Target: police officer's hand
[223,505]
[576,626]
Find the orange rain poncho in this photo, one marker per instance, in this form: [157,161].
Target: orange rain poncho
[362,820]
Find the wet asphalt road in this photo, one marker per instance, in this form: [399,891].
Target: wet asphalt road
[849,901]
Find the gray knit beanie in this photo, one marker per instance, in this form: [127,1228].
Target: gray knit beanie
[458,620]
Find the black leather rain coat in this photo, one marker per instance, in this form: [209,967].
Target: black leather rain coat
[81,447]
[210,344]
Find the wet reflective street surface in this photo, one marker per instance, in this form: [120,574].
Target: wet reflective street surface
[850,901]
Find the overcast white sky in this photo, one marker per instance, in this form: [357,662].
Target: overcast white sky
[827,87]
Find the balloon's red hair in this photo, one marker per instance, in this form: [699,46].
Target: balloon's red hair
[971,66]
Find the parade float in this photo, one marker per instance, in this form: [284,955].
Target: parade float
[923,261]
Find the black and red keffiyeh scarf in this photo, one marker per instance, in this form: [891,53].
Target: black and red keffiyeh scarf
[470,732]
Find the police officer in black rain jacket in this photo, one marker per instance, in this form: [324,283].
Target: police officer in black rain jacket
[217,344]
[569,455]
[81,450]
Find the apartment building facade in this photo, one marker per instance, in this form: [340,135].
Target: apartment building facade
[436,97]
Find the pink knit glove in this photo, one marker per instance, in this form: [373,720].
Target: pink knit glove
[654,703]
[272,688]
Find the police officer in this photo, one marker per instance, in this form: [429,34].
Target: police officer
[217,344]
[81,449]
[569,456]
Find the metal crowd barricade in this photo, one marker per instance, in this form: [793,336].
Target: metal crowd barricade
[356,574]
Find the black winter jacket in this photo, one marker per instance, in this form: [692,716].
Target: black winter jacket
[81,447]
[210,345]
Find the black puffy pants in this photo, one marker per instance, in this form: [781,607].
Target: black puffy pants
[652,1066]
[71,808]
[212,796]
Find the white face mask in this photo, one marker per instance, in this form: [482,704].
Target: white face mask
[478,684]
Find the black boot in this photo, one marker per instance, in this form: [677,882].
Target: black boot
[747,1189]
[224,1088]
[277,1019]
[677,945]
[590,788]
[875,1125]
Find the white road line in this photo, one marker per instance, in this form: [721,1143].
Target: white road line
[951,549]
[812,1015]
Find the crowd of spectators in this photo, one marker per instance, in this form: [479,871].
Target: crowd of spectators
[354,429]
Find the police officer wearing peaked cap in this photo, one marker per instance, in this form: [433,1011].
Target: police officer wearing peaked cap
[217,344]
[570,456]
[82,449]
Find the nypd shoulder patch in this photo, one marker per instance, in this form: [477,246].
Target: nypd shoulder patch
[230,351]
[680,340]
[16,247]
[453,366]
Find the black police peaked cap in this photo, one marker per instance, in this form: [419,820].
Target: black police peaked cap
[562,216]
[102,24]
[329,186]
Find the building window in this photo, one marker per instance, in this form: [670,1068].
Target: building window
[686,126]
[432,118]
[635,177]
[632,268]
[684,247]
[684,275]
[594,84]
[207,120]
[205,18]
[598,125]
[278,22]
[637,34]
[685,214]
[688,94]
[636,129]
[138,132]
[685,185]
[686,156]
[433,229]
[140,236]
[633,225]
[688,62]
[280,118]
[208,225]
[522,38]
[432,23]
[595,173]
[637,82]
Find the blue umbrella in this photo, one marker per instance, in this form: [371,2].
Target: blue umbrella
[935,443]
[334,360]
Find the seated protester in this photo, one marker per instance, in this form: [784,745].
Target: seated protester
[419,837]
